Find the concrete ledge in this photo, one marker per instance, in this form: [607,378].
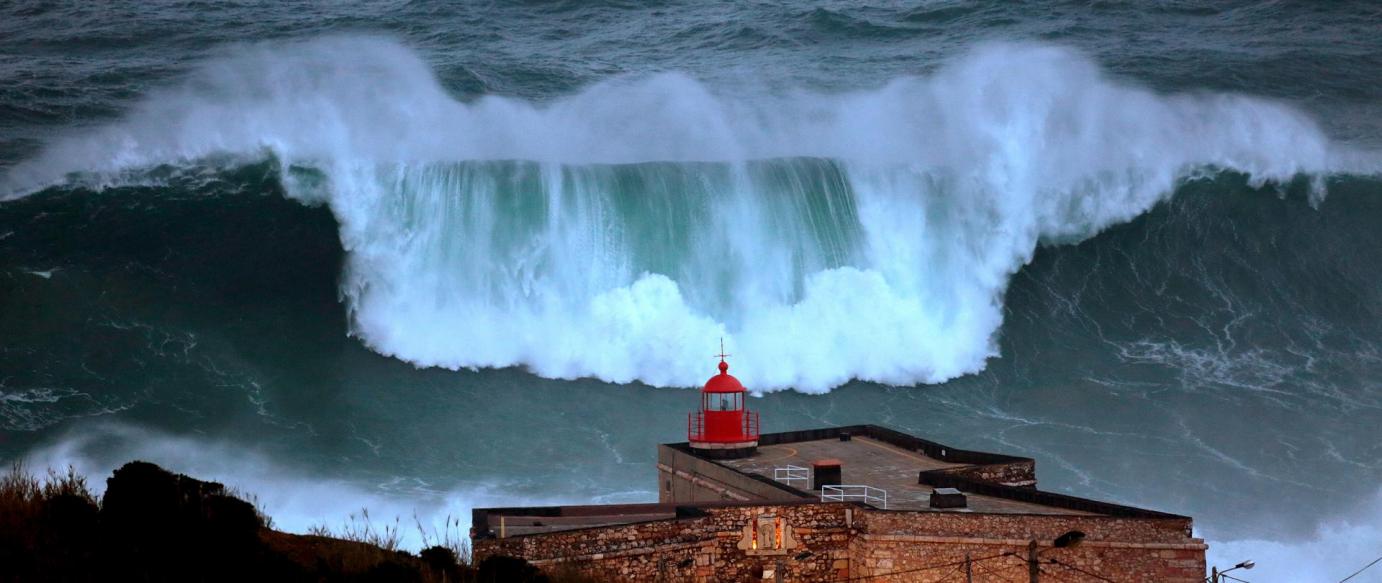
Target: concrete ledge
[708,484]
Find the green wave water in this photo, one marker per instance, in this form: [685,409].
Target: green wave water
[347,256]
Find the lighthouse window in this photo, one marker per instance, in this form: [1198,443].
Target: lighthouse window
[722,402]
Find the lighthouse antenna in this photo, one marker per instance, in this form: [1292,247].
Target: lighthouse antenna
[722,354]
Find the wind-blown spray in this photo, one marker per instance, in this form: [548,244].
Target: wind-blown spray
[616,232]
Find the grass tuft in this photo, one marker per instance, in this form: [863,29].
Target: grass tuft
[360,528]
[253,499]
[451,537]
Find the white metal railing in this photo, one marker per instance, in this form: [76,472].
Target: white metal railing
[843,492]
[789,474]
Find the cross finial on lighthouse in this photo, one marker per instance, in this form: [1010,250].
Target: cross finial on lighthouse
[724,366]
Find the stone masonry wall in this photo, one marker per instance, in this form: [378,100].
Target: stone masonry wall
[1020,474]
[933,546]
[1025,526]
[653,551]
[842,540]
[938,559]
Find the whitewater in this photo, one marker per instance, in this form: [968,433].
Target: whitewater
[619,231]
[1111,229]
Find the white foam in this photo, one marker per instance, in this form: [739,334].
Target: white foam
[955,179]
[1335,550]
[296,500]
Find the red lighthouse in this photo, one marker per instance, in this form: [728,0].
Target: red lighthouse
[723,427]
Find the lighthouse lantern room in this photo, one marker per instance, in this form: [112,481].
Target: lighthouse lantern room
[723,427]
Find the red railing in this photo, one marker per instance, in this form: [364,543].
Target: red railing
[695,428]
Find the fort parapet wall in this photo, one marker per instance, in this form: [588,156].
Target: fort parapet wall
[729,520]
[834,541]
[703,548]
[1121,549]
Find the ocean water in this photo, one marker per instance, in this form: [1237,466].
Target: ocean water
[417,258]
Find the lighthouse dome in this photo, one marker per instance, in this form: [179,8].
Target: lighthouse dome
[723,382]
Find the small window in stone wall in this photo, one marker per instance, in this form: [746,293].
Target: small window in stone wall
[669,485]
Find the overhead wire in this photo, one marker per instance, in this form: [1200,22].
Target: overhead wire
[1091,574]
[1052,574]
[961,568]
[994,573]
[1365,567]
[926,568]
[984,568]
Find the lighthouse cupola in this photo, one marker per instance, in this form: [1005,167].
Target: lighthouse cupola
[723,427]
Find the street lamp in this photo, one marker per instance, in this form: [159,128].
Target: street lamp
[1215,573]
[1067,540]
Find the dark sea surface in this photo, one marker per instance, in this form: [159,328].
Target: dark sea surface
[420,257]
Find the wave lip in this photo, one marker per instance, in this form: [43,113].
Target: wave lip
[618,231]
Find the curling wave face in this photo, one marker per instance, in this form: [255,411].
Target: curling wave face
[610,233]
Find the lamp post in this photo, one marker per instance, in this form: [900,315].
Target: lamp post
[1215,573]
[681,566]
[779,574]
[1064,541]
[1033,566]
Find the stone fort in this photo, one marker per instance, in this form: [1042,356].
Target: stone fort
[856,503]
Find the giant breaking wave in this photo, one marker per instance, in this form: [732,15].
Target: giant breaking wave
[618,232]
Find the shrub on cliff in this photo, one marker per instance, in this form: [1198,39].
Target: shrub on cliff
[154,525]
[158,524]
[500,569]
[46,526]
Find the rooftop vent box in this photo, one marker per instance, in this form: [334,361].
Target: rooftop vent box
[826,472]
[845,436]
[948,498]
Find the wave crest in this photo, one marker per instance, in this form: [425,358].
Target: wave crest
[618,231]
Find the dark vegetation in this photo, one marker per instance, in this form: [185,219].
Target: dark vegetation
[154,525]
